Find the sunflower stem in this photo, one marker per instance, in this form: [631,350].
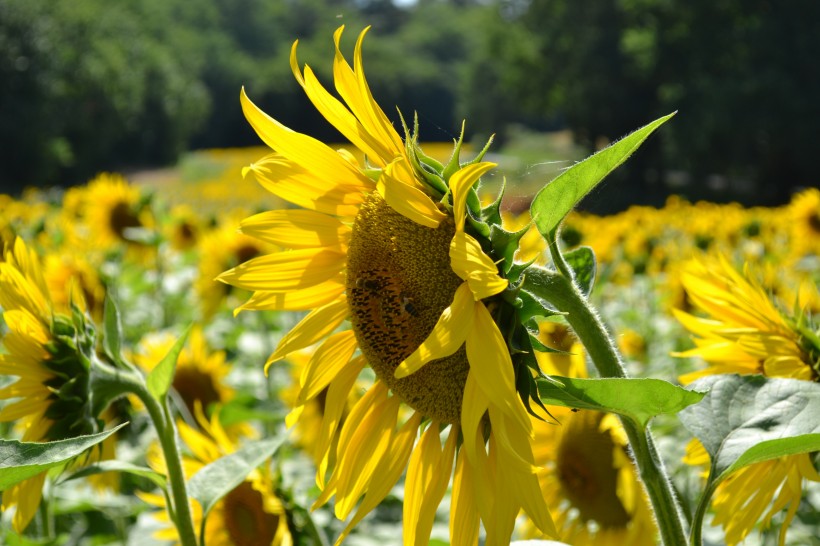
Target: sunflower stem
[108,383]
[562,292]
[166,431]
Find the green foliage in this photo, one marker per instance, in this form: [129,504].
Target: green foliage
[556,199]
[22,460]
[742,412]
[637,399]
[217,479]
[160,378]
[747,419]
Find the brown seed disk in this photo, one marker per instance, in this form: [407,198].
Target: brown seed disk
[586,470]
[399,281]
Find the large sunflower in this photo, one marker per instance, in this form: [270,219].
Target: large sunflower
[386,247]
[744,332]
[43,352]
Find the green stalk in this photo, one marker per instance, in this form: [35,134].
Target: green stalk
[565,296]
[109,382]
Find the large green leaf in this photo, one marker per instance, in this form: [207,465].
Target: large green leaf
[159,379]
[21,460]
[559,197]
[217,479]
[638,399]
[749,418]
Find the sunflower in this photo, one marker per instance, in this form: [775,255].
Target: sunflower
[587,476]
[250,514]
[69,271]
[744,332]
[219,249]
[387,246]
[44,351]
[199,377]
[112,211]
[804,218]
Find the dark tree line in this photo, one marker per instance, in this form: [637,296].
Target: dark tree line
[88,85]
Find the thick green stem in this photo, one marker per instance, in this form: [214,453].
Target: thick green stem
[109,382]
[565,296]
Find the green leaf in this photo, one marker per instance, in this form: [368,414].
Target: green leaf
[112,329]
[582,262]
[217,479]
[159,379]
[22,460]
[556,199]
[637,399]
[749,418]
[118,466]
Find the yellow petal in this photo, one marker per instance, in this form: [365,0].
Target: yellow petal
[522,481]
[288,270]
[26,496]
[328,360]
[460,183]
[316,325]
[464,517]
[447,336]
[409,201]
[305,151]
[337,114]
[428,474]
[296,300]
[471,264]
[389,470]
[302,187]
[507,505]
[368,445]
[295,228]
[490,359]
[335,404]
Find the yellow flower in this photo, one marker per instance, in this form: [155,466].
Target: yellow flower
[199,378]
[587,476]
[804,218]
[110,207]
[371,245]
[743,332]
[67,272]
[251,513]
[219,249]
[51,389]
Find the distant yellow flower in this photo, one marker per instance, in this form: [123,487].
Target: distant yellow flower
[200,372]
[587,477]
[67,272]
[369,244]
[251,513]
[110,207]
[219,249]
[804,218]
[744,332]
[183,227]
[52,386]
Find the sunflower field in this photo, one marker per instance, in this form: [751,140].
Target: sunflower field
[366,343]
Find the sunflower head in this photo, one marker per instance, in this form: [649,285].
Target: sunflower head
[402,248]
[50,353]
